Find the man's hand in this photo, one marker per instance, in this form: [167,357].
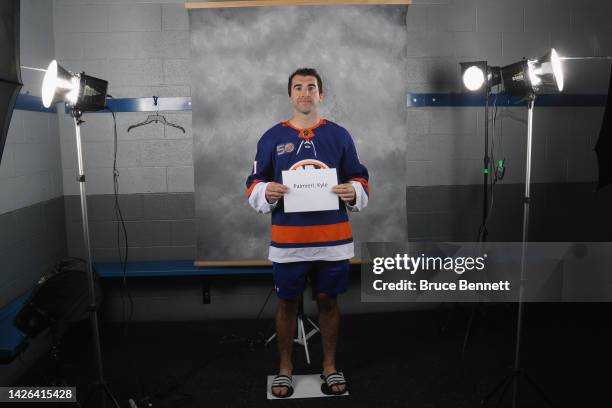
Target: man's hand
[275,191]
[346,192]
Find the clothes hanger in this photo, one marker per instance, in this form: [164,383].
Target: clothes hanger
[157,118]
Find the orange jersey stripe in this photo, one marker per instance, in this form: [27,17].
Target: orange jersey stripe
[301,163]
[250,190]
[363,182]
[311,233]
[306,133]
[287,123]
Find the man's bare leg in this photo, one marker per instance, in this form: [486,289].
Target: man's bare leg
[329,323]
[286,311]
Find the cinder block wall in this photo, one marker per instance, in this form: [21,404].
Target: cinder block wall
[32,221]
[142,49]
[448,142]
[444,165]
[32,227]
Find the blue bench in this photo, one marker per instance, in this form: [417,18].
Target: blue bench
[189,268]
[152,269]
[165,269]
[173,268]
[12,340]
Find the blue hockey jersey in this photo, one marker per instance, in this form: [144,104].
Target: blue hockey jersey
[320,235]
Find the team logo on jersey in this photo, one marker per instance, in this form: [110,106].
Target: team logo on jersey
[309,164]
[284,148]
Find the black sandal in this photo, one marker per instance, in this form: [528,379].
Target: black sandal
[285,381]
[331,380]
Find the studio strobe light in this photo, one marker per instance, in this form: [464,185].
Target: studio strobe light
[530,76]
[479,77]
[473,78]
[81,93]
[527,78]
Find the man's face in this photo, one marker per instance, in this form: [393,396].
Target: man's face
[305,96]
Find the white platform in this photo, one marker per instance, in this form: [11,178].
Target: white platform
[304,386]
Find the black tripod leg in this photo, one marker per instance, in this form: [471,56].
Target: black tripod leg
[110,395]
[506,387]
[468,330]
[105,394]
[539,390]
[89,394]
[503,384]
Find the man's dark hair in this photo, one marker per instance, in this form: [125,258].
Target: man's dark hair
[306,72]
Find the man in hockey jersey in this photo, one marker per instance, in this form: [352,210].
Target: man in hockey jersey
[315,244]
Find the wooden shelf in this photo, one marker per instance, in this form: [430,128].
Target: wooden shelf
[277,3]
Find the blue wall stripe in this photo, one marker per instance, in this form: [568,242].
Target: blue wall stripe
[32,103]
[147,105]
[413,100]
[179,103]
[422,100]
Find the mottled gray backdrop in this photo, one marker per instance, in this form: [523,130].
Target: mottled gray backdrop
[241,59]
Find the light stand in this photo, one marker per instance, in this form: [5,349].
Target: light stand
[82,93]
[525,78]
[476,76]
[517,373]
[485,169]
[100,383]
[482,236]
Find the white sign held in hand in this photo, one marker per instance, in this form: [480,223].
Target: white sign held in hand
[310,190]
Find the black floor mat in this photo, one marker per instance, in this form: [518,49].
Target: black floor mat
[410,359]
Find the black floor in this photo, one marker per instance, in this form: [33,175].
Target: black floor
[411,359]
